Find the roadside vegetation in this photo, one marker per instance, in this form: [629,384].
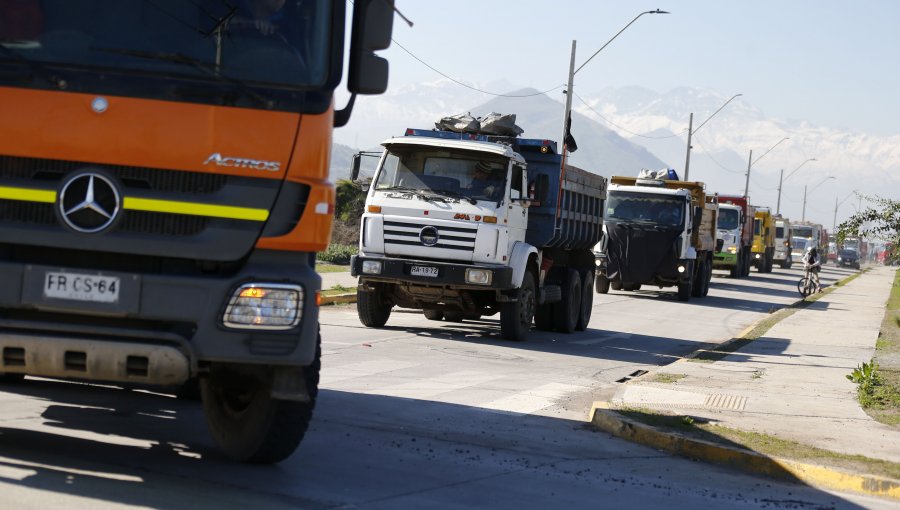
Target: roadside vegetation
[879,381]
[349,205]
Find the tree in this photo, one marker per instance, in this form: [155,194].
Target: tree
[350,201]
[880,220]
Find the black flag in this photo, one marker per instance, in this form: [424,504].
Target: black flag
[570,140]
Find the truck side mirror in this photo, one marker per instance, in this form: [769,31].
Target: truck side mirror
[373,22]
[354,167]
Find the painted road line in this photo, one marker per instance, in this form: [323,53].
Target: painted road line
[601,339]
[535,399]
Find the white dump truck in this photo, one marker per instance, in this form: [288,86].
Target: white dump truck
[464,225]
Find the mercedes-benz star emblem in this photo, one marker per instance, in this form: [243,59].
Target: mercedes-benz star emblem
[89,203]
[429,236]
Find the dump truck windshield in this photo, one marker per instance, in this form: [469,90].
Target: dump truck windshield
[729,219]
[120,46]
[466,174]
[663,210]
[803,232]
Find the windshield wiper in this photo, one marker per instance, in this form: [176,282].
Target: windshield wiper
[413,191]
[456,194]
[36,68]
[182,59]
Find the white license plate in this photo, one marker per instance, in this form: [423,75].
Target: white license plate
[82,287]
[424,271]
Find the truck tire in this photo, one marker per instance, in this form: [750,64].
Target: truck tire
[516,317]
[737,270]
[602,284]
[698,277]
[433,315]
[543,317]
[616,285]
[631,286]
[373,309]
[587,301]
[454,316]
[245,421]
[684,291]
[11,378]
[746,266]
[568,310]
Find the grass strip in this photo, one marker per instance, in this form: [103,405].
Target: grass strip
[883,402]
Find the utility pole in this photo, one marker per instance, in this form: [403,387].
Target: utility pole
[780,181]
[687,161]
[747,185]
[803,216]
[834,221]
[569,94]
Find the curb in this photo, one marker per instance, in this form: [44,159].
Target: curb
[603,418]
[340,299]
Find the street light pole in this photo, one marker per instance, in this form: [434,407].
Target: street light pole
[687,159]
[781,181]
[803,216]
[691,131]
[573,71]
[751,162]
[836,205]
[569,94]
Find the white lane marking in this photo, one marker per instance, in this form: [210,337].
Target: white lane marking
[535,399]
[334,374]
[427,389]
[601,339]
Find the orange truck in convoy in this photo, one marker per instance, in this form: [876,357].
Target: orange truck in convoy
[163,192]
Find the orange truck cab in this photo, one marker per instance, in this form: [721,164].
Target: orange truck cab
[163,191]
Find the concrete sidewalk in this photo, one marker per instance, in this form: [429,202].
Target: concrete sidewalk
[329,280]
[790,383]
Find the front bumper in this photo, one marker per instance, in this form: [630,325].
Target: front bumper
[724,258]
[183,312]
[449,275]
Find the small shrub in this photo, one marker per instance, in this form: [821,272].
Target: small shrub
[337,254]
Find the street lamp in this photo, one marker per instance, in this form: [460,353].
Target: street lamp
[836,205]
[751,162]
[782,178]
[803,216]
[572,72]
[687,161]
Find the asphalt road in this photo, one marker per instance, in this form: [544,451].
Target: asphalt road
[416,415]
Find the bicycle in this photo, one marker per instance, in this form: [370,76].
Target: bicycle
[809,282]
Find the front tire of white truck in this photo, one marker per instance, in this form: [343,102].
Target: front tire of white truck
[245,421]
[516,317]
[602,284]
[433,315]
[372,307]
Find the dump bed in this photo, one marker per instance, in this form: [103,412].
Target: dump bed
[570,212]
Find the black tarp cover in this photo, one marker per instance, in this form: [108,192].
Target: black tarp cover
[636,252]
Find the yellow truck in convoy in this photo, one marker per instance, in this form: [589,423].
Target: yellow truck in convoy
[763,250]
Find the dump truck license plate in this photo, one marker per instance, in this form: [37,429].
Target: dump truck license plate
[82,287]
[424,271]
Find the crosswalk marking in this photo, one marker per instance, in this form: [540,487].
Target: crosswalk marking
[598,340]
[427,389]
[331,375]
[532,400]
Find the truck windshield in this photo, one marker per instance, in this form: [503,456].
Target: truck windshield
[729,219]
[454,173]
[628,207]
[799,243]
[803,232]
[121,46]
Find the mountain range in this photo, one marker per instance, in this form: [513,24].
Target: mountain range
[621,130]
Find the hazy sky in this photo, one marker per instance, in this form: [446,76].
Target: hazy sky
[833,63]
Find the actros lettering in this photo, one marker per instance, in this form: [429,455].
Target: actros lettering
[219,160]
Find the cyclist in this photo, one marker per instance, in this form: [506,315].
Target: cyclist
[812,263]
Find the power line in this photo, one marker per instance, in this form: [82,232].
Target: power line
[454,80]
[623,129]
[714,160]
